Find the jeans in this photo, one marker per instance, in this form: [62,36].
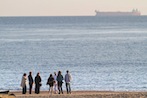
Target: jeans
[60,87]
[68,89]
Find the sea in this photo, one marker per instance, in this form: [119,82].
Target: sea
[101,53]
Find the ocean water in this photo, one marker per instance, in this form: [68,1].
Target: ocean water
[101,53]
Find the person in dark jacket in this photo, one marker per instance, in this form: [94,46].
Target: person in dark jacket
[50,82]
[60,82]
[30,78]
[37,83]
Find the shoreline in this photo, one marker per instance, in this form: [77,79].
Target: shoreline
[84,94]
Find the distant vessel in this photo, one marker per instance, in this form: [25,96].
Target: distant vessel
[134,12]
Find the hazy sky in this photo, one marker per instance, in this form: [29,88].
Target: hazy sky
[67,7]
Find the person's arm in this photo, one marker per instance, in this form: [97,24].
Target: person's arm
[70,77]
[40,79]
[21,82]
[65,78]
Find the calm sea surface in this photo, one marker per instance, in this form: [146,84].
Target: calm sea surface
[102,53]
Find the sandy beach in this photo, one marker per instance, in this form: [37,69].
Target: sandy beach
[85,94]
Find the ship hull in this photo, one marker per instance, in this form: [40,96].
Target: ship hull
[118,14]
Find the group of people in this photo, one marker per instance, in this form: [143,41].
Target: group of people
[54,81]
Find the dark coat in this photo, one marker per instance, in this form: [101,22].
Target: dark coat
[50,81]
[30,78]
[37,84]
[37,80]
[59,78]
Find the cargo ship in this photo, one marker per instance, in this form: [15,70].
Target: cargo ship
[134,12]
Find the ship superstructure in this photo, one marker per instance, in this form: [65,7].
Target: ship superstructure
[134,12]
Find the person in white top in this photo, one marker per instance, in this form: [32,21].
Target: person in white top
[55,82]
[23,83]
[67,81]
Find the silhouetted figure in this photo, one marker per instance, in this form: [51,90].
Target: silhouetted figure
[60,82]
[4,92]
[50,82]
[23,83]
[67,81]
[37,83]
[30,78]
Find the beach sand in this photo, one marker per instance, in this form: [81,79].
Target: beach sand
[84,94]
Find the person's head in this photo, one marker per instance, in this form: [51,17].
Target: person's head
[67,71]
[51,75]
[59,72]
[30,73]
[38,74]
[54,73]
[24,74]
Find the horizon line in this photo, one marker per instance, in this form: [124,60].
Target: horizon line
[55,16]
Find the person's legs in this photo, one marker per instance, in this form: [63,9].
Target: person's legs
[38,89]
[67,87]
[59,87]
[30,89]
[61,90]
[24,90]
[55,88]
[51,89]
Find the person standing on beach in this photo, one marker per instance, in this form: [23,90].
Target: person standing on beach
[55,82]
[60,82]
[67,81]
[23,83]
[37,83]
[30,78]
[50,82]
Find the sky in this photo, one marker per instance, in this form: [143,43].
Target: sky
[67,7]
